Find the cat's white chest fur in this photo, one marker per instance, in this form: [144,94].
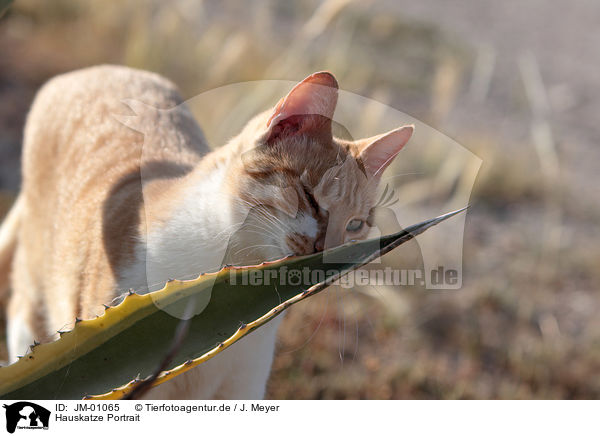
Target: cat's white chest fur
[194,240]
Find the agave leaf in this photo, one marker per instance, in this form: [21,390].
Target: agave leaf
[106,357]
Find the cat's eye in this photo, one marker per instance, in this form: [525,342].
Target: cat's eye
[355,225]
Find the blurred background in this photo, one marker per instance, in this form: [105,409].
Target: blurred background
[513,82]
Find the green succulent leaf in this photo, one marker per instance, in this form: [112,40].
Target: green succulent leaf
[107,357]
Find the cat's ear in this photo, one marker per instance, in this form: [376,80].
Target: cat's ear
[378,152]
[308,108]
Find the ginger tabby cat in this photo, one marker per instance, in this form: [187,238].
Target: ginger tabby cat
[87,227]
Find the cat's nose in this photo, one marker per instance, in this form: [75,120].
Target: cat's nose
[320,243]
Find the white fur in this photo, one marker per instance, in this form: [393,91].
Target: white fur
[194,240]
[19,338]
[308,225]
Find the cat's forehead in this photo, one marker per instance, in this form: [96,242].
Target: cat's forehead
[345,185]
[330,170]
[294,157]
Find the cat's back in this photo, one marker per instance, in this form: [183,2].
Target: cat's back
[80,116]
[88,137]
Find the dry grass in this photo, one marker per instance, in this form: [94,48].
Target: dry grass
[522,326]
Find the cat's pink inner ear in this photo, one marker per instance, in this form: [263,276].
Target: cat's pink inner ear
[309,105]
[379,153]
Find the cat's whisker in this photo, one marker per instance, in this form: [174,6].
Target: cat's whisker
[278,220]
[272,218]
[255,247]
[402,174]
[263,215]
[278,224]
[263,211]
[267,231]
[262,233]
[226,230]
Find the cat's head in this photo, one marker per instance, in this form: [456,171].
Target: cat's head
[303,189]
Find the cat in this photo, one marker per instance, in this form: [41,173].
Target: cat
[87,226]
